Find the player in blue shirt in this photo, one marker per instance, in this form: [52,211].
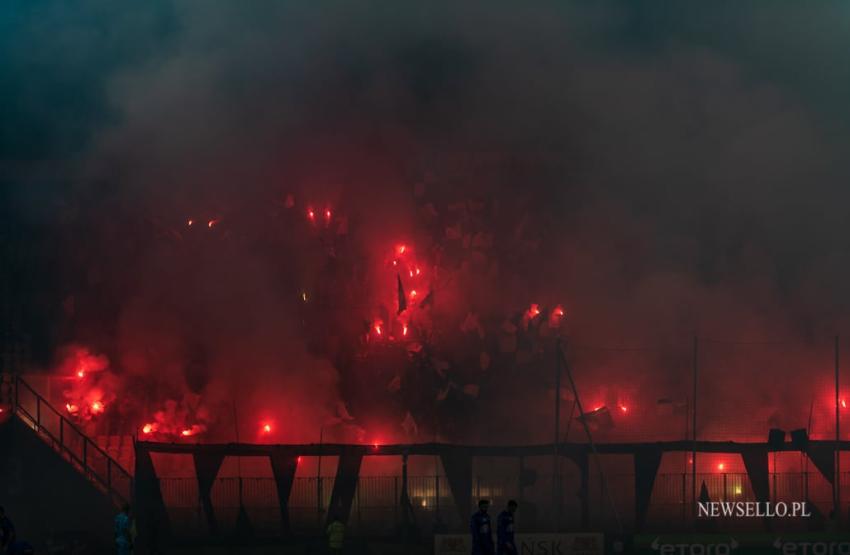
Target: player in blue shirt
[505,544]
[482,534]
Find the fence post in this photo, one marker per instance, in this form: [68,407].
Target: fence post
[395,500]
[38,413]
[774,479]
[437,498]
[806,485]
[358,491]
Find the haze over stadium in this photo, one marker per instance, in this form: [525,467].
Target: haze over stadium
[279,223]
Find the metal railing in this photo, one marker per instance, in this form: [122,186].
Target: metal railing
[376,507]
[71,442]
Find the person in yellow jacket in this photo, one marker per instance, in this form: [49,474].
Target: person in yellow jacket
[336,535]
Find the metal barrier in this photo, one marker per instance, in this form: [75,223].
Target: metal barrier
[376,509]
[70,442]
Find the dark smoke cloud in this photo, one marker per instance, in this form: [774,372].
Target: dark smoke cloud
[679,170]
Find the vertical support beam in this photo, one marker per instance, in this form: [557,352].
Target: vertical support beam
[458,466]
[646,463]
[824,460]
[345,484]
[207,466]
[758,470]
[150,506]
[756,464]
[284,464]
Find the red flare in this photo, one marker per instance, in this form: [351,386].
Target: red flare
[147,428]
[72,408]
[401,249]
[186,433]
[843,403]
[417,271]
[378,329]
[212,223]
[411,273]
[624,408]
[413,294]
[190,222]
[81,374]
[404,330]
[267,428]
[311,214]
[721,466]
[328,214]
[97,407]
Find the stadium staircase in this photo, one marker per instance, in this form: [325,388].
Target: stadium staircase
[65,438]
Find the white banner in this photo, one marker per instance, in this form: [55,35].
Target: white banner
[528,544]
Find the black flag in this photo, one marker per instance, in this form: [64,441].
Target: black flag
[402,299]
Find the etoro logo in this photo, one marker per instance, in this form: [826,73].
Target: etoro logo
[695,548]
[812,547]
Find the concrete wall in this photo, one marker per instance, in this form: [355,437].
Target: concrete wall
[44,495]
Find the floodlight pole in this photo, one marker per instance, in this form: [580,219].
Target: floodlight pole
[836,483]
[694,427]
[556,469]
[593,450]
